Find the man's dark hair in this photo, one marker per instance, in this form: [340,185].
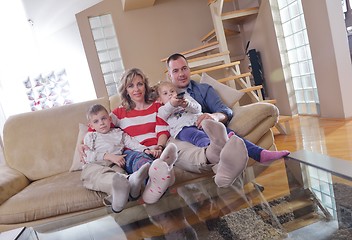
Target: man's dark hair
[174,57]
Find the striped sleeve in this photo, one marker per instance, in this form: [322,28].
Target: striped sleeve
[162,127]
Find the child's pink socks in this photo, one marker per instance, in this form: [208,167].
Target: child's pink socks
[266,155]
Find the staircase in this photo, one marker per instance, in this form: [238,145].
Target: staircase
[213,55]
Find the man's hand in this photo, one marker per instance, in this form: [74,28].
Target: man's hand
[82,152]
[119,160]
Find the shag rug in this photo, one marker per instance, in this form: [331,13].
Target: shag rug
[250,223]
[255,223]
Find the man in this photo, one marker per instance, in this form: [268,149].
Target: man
[233,152]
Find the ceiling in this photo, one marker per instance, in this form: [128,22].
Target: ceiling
[49,16]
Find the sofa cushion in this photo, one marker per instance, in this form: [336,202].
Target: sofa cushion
[230,96]
[52,196]
[42,143]
[76,163]
[11,182]
[247,118]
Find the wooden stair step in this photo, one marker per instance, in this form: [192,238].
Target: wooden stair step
[212,1]
[290,211]
[208,60]
[272,101]
[240,15]
[292,206]
[198,50]
[218,67]
[211,35]
[235,77]
[204,61]
[195,59]
[303,221]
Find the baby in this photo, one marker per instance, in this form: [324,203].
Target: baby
[182,112]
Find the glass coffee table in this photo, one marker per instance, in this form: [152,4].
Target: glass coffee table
[305,196]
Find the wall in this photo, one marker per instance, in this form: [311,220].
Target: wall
[264,40]
[147,35]
[330,53]
[52,42]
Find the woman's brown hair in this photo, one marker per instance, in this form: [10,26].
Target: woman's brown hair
[126,79]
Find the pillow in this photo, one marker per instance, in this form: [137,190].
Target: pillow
[230,96]
[76,163]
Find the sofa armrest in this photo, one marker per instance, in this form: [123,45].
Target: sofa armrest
[250,117]
[11,182]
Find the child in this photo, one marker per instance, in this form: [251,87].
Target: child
[105,152]
[181,114]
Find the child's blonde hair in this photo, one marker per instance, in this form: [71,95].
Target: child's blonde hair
[160,84]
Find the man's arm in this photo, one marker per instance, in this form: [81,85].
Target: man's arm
[212,105]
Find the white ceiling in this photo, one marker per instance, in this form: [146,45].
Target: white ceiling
[49,16]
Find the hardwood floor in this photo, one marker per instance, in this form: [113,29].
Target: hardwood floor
[324,136]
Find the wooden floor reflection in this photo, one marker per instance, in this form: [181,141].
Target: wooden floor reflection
[325,136]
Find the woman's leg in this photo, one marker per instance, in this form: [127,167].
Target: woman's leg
[135,160]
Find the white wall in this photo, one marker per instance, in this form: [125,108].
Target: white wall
[16,47]
[52,43]
[59,43]
[330,54]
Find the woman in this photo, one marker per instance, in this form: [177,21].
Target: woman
[137,116]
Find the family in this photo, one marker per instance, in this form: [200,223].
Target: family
[147,136]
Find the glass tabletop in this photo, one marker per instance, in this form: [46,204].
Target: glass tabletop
[305,196]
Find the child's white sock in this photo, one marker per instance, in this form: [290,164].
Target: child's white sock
[120,192]
[233,161]
[159,181]
[217,134]
[137,179]
[161,175]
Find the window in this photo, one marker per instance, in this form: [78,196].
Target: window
[296,57]
[108,51]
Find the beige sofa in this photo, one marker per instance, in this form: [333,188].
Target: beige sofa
[35,183]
